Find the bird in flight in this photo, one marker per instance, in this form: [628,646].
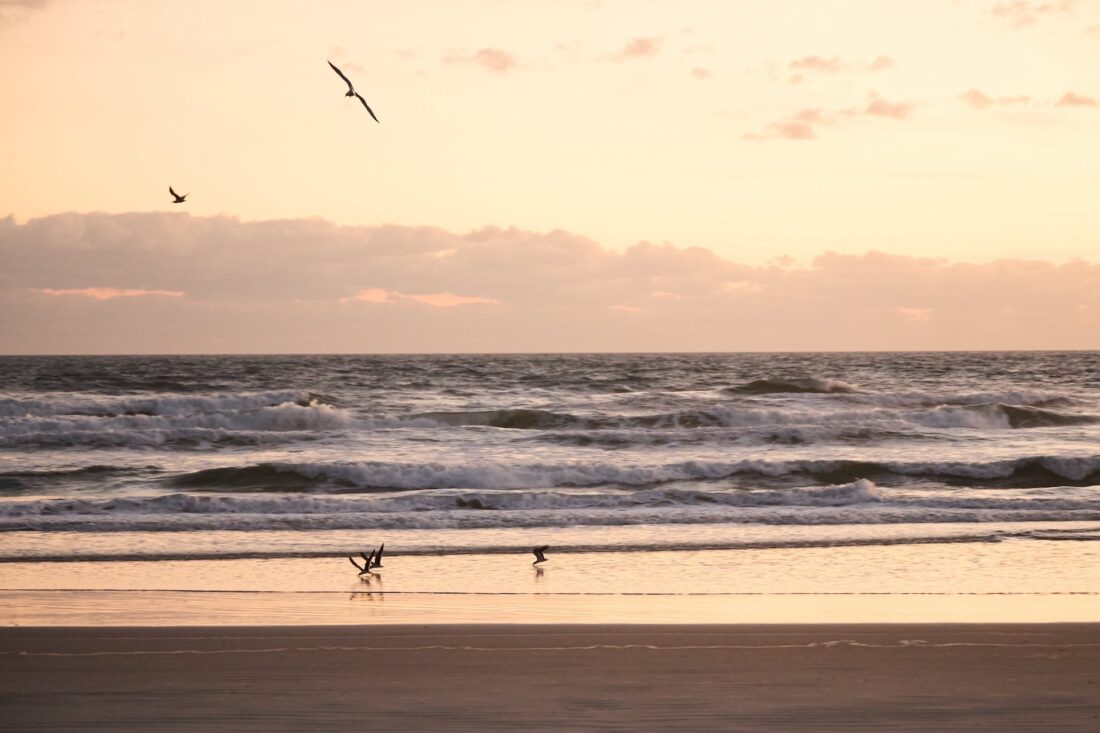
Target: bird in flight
[352,93]
[378,556]
[363,569]
[540,555]
[179,199]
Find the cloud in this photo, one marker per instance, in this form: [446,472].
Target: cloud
[110,293]
[1071,99]
[370,295]
[917,315]
[879,107]
[799,126]
[800,68]
[13,11]
[701,74]
[436,300]
[450,300]
[804,124]
[1023,13]
[492,59]
[638,48]
[978,100]
[306,285]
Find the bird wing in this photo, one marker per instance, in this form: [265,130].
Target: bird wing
[173,192]
[372,114]
[367,558]
[378,556]
[357,567]
[346,80]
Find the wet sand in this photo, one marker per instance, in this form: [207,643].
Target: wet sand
[554,677]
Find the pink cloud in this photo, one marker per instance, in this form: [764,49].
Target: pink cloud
[110,293]
[556,292]
[1022,13]
[799,126]
[817,63]
[638,48]
[879,107]
[700,73]
[12,11]
[370,295]
[492,59]
[979,100]
[1070,99]
[800,68]
[450,300]
[917,315]
[625,308]
[436,300]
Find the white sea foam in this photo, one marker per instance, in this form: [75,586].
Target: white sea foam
[860,502]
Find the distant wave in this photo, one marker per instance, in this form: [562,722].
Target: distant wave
[858,502]
[15,481]
[383,476]
[281,416]
[244,419]
[980,415]
[799,386]
[93,405]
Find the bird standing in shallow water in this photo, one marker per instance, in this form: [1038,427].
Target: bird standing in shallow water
[179,199]
[352,93]
[540,554]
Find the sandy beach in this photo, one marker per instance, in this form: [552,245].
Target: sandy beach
[592,677]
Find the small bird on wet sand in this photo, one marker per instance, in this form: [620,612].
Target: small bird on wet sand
[352,93]
[540,555]
[179,199]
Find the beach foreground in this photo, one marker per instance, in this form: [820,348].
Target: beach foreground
[596,677]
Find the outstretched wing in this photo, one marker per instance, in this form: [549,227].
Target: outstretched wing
[378,555]
[173,192]
[357,567]
[346,80]
[372,114]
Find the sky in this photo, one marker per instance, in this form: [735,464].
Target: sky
[568,176]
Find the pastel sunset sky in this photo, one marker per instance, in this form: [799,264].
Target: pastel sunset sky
[549,176]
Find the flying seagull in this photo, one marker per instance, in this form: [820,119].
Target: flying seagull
[179,199]
[352,93]
[539,554]
[363,569]
[378,556]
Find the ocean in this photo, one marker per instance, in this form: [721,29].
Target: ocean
[161,458]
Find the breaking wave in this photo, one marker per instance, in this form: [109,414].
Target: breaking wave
[858,502]
[793,386]
[385,476]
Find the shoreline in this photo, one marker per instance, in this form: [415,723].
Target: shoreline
[506,677]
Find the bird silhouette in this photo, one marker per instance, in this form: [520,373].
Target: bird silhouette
[179,199]
[363,569]
[352,93]
[378,556]
[540,555]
